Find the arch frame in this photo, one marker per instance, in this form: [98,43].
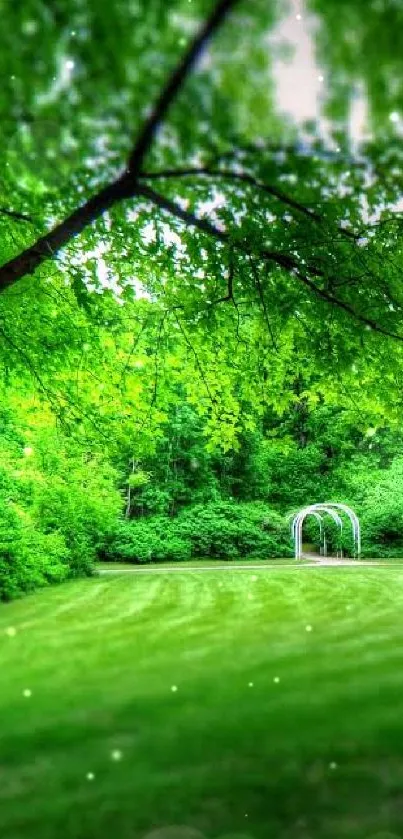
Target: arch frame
[320,510]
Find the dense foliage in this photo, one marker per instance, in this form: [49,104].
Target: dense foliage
[222,530]
[240,502]
[57,499]
[64,504]
[200,298]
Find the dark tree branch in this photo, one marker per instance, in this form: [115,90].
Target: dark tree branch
[229,297]
[244,177]
[329,298]
[175,210]
[16,215]
[175,83]
[199,365]
[283,260]
[228,174]
[259,289]
[47,246]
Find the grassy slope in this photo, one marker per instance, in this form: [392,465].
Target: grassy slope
[100,657]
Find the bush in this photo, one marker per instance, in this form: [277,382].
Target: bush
[382,514]
[223,530]
[226,529]
[28,559]
[146,540]
[81,503]
[57,501]
[383,530]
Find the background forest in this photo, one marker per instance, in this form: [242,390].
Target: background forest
[65,503]
[200,311]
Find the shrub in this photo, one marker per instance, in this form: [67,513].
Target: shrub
[226,529]
[146,540]
[383,530]
[28,559]
[81,505]
[382,514]
[56,503]
[223,530]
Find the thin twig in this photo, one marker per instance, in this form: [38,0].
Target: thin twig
[14,214]
[245,177]
[283,260]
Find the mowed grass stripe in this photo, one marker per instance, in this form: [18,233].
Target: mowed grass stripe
[102,656]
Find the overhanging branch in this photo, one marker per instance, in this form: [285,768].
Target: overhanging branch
[47,246]
[175,83]
[250,180]
[281,259]
[14,214]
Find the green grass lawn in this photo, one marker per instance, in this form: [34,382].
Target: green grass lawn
[195,563]
[286,721]
[219,564]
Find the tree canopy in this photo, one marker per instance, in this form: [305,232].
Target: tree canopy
[167,230]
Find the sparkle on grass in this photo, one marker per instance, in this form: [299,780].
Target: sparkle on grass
[250,684]
[332,765]
[254,577]
[27,693]
[11,631]
[174,688]
[250,596]
[308,628]
[276,679]
[394,116]
[116,755]
[90,776]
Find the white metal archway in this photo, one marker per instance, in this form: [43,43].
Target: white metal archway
[333,510]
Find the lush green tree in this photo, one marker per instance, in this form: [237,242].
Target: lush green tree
[200,300]
[261,254]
